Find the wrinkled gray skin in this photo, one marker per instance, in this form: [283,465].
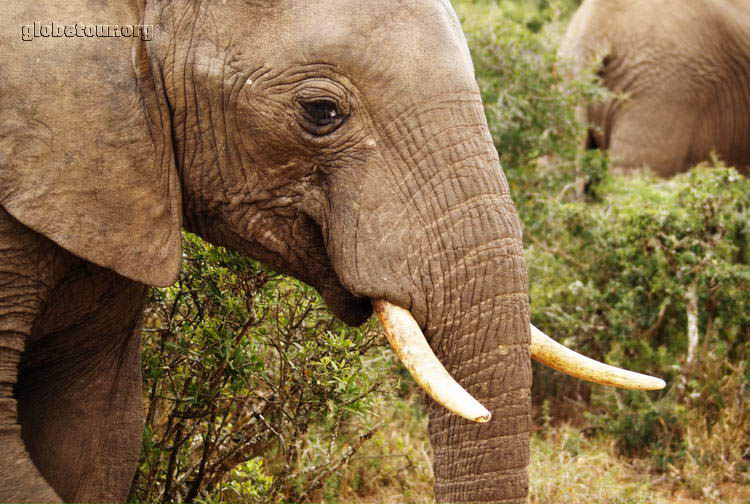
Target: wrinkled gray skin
[684,68]
[222,125]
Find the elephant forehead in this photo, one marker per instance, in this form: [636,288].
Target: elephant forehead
[404,41]
[381,46]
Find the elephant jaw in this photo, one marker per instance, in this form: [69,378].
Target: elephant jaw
[409,343]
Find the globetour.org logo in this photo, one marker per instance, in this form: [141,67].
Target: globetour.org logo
[41,30]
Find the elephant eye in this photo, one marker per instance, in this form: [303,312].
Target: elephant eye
[321,116]
[321,112]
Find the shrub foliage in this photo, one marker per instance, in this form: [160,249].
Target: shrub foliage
[239,365]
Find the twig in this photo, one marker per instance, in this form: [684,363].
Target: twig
[320,479]
[659,322]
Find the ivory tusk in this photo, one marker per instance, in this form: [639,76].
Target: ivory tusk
[551,353]
[409,343]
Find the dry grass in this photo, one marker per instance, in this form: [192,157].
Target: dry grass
[567,468]
[715,463]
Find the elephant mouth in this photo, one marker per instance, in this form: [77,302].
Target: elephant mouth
[351,309]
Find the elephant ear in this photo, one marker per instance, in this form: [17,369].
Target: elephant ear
[85,150]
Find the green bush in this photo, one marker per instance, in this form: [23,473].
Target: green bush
[625,264]
[615,280]
[240,364]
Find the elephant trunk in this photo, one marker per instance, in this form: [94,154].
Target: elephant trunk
[433,230]
[476,307]
[481,336]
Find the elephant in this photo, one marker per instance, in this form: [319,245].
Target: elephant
[339,141]
[679,76]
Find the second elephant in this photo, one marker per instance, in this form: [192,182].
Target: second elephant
[679,73]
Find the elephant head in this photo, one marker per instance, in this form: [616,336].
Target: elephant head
[679,76]
[339,141]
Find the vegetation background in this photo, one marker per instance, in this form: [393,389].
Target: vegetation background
[254,393]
